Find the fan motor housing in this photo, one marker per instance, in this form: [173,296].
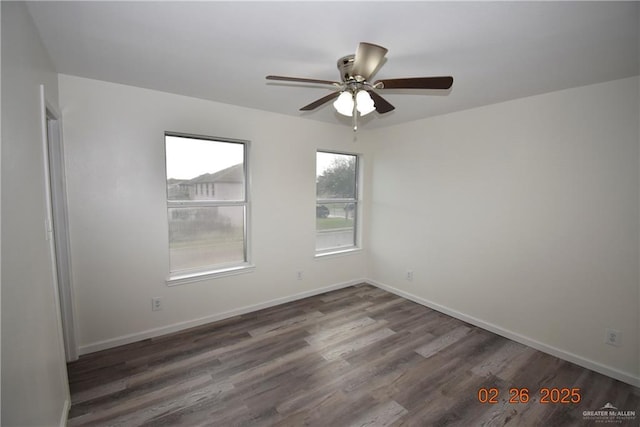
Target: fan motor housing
[345,65]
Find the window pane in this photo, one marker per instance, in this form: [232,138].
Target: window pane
[202,169]
[335,176]
[335,225]
[206,236]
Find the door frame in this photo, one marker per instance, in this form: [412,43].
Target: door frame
[57,223]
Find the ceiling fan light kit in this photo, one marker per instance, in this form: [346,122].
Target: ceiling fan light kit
[364,103]
[344,104]
[355,94]
[347,102]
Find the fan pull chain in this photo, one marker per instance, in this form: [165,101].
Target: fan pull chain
[355,115]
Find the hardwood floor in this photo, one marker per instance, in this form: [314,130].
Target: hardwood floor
[358,356]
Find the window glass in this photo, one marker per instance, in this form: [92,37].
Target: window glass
[335,175]
[202,169]
[202,236]
[206,203]
[336,201]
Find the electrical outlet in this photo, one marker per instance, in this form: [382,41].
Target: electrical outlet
[409,275]
[156,304]
[299,275]
[613,337]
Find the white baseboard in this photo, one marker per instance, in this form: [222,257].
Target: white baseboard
[65,412]
[554,351]
[176,327]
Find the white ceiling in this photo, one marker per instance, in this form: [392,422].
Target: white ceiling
[222,51]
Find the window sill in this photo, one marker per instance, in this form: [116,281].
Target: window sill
[337,252]
[182,279]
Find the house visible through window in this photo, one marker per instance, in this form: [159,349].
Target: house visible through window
[336,201]
[207,204]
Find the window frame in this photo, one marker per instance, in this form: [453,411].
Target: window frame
[178,277]
[357,201]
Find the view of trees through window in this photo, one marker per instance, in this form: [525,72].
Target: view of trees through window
[336,200]
[206,202]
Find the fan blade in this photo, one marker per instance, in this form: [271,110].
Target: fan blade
[368,58]
[315,104]
[416,83]
[381,104]
[301,80]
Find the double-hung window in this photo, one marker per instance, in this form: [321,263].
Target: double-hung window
[207,205]
[336,201]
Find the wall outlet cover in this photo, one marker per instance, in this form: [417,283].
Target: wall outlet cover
[613,337]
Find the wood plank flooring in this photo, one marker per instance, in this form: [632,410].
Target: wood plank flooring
[358,356]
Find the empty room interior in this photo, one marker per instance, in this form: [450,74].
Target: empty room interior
[320,213]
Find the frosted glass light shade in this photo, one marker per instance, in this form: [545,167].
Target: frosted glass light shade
[364,103]
[344,104]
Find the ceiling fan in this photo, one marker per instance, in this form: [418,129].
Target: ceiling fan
[354,94]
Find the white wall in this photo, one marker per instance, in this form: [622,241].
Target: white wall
[522,215]
[114,142]
[34,387]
